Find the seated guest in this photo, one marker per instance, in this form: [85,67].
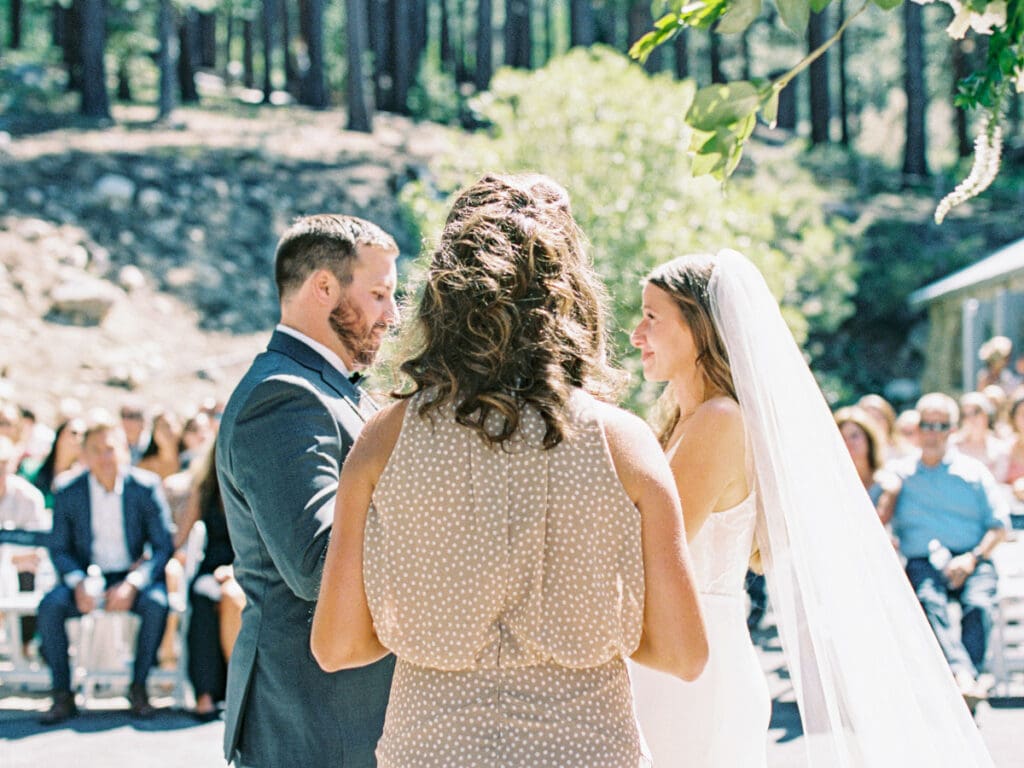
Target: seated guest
[1014,475]
[163,455]
[21,507]
[107,517]
[62,462]
[133,422]
[195,435]
[214,595]
[949,516]
[906,438]
[864,444]
[975,436]
[883,415]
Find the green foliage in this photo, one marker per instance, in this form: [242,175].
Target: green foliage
[434,96]
[611,134]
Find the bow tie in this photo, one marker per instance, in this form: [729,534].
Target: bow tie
[356,377]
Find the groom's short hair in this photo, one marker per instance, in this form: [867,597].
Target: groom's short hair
[324,241]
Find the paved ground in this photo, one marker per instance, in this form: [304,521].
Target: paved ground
[105,736]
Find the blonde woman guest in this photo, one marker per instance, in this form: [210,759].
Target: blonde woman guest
[163,455]
[906,437]
[884,416]
[502,530]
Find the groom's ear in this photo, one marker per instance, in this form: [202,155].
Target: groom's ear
[323,287]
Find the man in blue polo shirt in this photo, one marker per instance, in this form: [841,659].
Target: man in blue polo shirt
[949,506]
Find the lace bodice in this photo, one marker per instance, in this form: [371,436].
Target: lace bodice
[721,549]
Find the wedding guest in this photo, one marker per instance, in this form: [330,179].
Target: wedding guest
[906,438]
[162,456]
[285,434]
[1014,476]
[884,417]
[509,588]
[215,598]
[1001,402]
[22,507]
[195,437]
[63,461]
[995,354]
[133,423]
[756,455]
[108,517]
[975,437]
[951,499]
[864,444]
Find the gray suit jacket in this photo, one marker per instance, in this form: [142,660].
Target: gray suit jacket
[284,435]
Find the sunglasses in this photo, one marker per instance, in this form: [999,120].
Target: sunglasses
[934,426]
[131,415]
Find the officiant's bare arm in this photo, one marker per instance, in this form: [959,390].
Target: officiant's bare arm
[343,636]
[674,638]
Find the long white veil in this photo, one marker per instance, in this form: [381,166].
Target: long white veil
[873,687]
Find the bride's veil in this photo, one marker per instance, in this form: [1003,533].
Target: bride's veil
[871,682]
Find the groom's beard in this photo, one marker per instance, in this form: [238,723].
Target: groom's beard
[361,339]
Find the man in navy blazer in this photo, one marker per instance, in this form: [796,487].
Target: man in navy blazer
[107,517]
[284,435]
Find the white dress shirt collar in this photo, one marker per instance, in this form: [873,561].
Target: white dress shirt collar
[325,352]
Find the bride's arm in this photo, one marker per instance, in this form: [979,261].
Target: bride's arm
[673,638]
[342,636]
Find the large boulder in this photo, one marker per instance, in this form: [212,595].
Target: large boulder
[83,301]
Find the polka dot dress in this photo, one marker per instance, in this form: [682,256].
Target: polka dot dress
[509,583]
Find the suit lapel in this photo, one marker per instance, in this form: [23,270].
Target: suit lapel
[331,376]
[85,522]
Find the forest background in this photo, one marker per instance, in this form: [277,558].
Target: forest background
[835,202]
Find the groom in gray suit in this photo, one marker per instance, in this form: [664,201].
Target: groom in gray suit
[285,433]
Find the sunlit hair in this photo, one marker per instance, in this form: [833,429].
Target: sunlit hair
[512,313]
[939,401]
[686,280]
[859,417]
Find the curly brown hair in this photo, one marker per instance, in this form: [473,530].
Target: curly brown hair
[512,313]
[686,279]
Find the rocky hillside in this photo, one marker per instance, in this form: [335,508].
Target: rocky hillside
[135,258]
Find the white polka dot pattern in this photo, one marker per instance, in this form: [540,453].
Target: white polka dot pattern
[509,583]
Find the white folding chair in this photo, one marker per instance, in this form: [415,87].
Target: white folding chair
[1006,644]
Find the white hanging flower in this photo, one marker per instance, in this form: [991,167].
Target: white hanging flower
[987,156]
[982,23]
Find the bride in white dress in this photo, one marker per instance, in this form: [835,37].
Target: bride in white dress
[756,456]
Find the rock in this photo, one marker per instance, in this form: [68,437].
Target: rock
[85,301]
[77,256]
[115,191]
[150,200]
[34,196]
[32,229]
[131,278]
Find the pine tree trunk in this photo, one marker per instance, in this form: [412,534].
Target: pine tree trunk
[606,24]
[15,31]
[380,29]
[291,67]
[549,31]
[187,55]
[484,45]
[313,90]
[640,22]
[95,101]
[124,85]
[960,70]
[402,49]
[715,56]
[269,21]
[461,43]
[166,64]
[72,50]
[844,94]
[229,41]
[914,154]
[682,50]
[207,27]
[447,50]
[248,54]
[518,34]
[821,112]
[360,112]
[581,23]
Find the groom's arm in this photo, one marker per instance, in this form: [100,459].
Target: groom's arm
[286,455]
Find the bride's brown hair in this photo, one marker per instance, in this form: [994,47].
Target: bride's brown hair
[687,280]
[512,313]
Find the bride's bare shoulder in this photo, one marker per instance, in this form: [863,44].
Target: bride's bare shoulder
[716,423]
